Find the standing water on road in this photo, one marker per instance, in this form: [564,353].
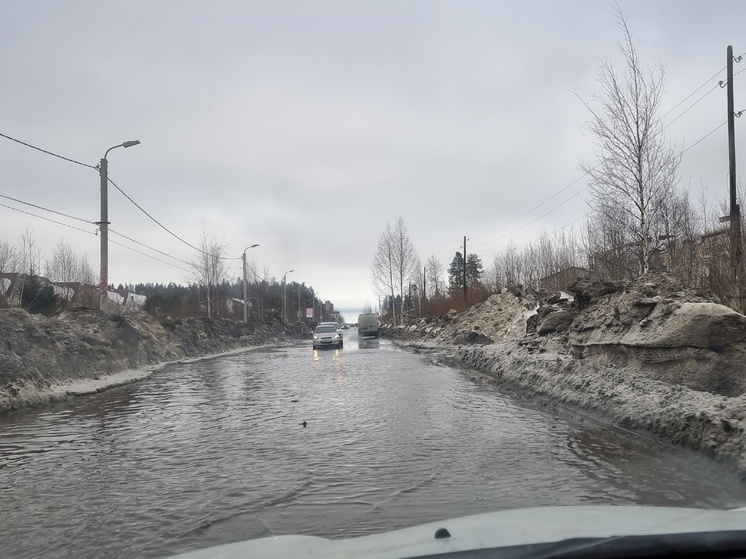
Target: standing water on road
[214,451]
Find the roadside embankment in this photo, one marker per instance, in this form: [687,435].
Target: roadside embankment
[84,350]
[646,355]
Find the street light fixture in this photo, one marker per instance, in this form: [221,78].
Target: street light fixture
[104,223]
[245,284]
[284,296]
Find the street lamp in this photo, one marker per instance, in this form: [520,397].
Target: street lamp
[284,297]
[245,285]
[104,223]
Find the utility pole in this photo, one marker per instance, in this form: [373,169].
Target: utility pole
[245,290]
[246,285]
[735,210]
[465,294]
[103,225]
[284,294]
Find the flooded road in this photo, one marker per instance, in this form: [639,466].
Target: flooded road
[215,451]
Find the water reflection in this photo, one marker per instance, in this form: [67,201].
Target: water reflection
[210,452]
[368,343]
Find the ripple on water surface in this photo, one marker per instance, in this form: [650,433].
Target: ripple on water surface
[213,451]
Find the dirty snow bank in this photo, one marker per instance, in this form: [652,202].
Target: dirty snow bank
[648,355]
[710,423]
[83,350]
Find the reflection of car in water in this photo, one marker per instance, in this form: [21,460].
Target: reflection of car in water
[368,343]
[367,325]
[572,532]
[327,335]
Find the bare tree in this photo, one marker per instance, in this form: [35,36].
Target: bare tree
[8,257]
[406,262]
[434,276]
[210,271]
[63,264]
[29,253]
[637,169]
[384,266]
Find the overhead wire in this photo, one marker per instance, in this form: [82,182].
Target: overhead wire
[45,218]
[112,182]
[48,152]
[46,209]
[541,238]
[92,233]
[585,174]
[710,133]
[148,247]
[139,207]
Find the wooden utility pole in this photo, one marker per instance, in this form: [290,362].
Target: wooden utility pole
[735,210]
[466,298]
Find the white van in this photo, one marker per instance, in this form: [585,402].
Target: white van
[367,325]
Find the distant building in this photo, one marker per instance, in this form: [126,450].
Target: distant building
[76,293]
[559,281]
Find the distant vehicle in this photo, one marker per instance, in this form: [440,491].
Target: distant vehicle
[367,325]
[327,335]
[337,326]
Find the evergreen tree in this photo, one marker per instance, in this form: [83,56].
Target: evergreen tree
[474,270]
[456,272]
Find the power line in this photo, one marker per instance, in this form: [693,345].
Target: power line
[46,209]
[578,193]
[46,218]
[149,256]
[139,207]
[704,137]
[585,174]
[540,238]
[149,247]
[573,183]
[690,107]
[685,99]
[710,133]
[48,152]
[92,233]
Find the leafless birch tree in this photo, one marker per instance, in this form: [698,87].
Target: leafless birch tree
[636,170]
[210,270]
[384,266]
[406,262]
[434,276]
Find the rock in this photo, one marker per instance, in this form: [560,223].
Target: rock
[701,325]
[559,320]
[587,290]
[554,298]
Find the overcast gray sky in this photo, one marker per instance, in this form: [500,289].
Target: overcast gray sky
[307,126]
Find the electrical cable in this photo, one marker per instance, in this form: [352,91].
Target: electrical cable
[48,152]
[138,206]
[585,174]
[150,256]
[148,247]
[578,193]
[573,222]
[46,209]
[710,133]
[46,218]
[92,233]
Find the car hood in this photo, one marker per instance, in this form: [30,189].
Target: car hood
[580,531]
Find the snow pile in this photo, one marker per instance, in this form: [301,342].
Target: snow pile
[649,355]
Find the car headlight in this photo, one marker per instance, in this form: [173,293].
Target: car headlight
[337,336]
[315,337]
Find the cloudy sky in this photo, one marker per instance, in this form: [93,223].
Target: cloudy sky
[307,126]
